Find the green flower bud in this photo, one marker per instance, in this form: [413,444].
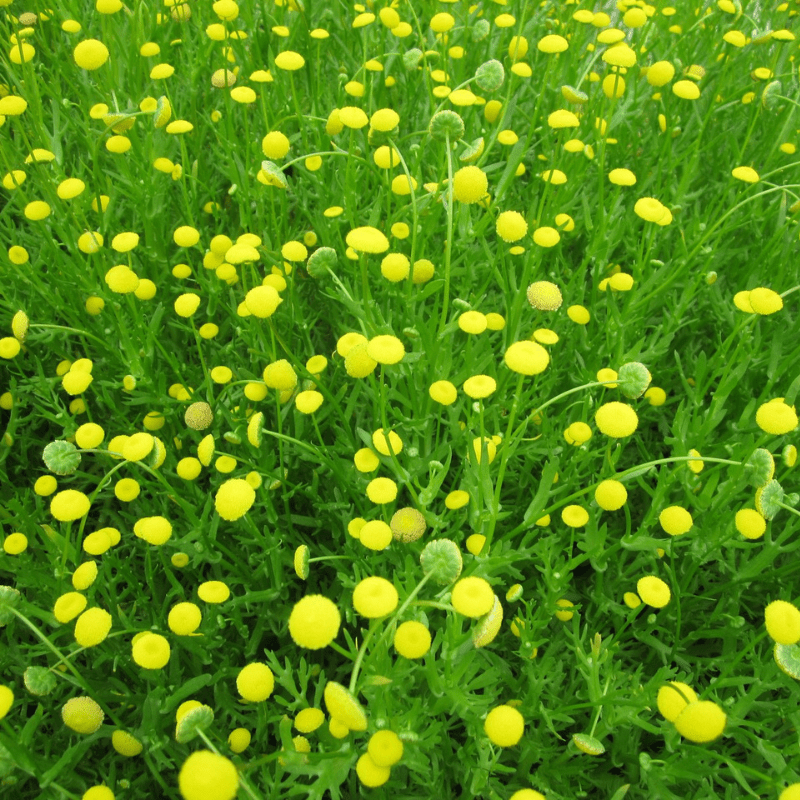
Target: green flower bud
[760,468]
[480,30]
[61,457]
[9,597]
[192,722]
[320,261]
[634,378]
[39,680]
[412,58]
[275,176]
[588,744]
[769,499]
[442,559]
[446,124]
[490,75]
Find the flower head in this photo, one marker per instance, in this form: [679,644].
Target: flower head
[575,516]
[651,210]
[675,520]
[92,627]
[407,525]
[526,358]
[314,622]
[511,226]
[82,715]
[470,184]
[765,301]
[234,499]
[289,60]
[309,719]
[69,505]
[616,420]
[750,523]
[673,697]
[184,619]
[154,530]
[90,54]
[504,725]
[386,349]
[208,776]
[544,295]
[611,495]
[151,650]
[472,597]
[653,591]
[782,619]
[213,592]
[367,240]
[375,597]
[262,301]
[479,386]
[255,682]
[412,639]
[385,748]
[344,707]
[701,721]
[745,174]
[776,417]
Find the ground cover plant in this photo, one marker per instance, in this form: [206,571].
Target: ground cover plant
[398,400]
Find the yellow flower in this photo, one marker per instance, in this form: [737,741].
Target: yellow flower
[616,420]
[673,697]
[184,618]
[206,775]
[675,520]
[765,301]
[92,627]
[472,597]
[552,43]
[382,490]
[701,721]
[544,295]
[504,725]
[375,597]
[782,620]
[344,708]
[314,622]
[385,748]
[776,418]
[126,744]
[90,54]
[255,682]
[309,719]
[653,591]
[150,650]
[687,90]
[511,226]
[479,386]
[154,530]
[69,505]
[412,639]
[611,495]
[369,773]
[367,240]
[82,715]
[470,184]
[526,358]
[234,499]
[745,174]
